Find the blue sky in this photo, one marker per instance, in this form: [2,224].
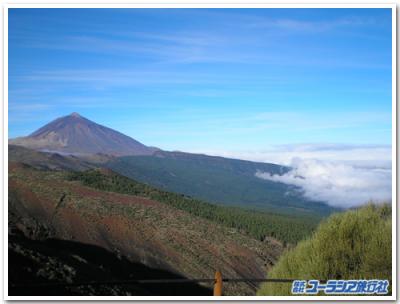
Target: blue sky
[206,79]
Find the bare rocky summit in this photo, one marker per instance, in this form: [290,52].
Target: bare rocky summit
[75,134]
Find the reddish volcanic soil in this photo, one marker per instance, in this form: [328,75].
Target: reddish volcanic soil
[44,203]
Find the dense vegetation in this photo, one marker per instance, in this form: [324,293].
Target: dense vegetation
[356,244]
[288,229]
[219,180]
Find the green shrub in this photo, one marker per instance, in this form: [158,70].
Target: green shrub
[356,244]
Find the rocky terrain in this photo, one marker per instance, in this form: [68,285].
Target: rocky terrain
[46,205]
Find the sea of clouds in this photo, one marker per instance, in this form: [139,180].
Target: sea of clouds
[340,184]
[343,176]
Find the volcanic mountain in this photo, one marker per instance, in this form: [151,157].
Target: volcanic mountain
[74,134]
[85,144]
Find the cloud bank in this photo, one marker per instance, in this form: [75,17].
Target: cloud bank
[342,175]
[360,155]
[339,184]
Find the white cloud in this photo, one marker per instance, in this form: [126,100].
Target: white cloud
[357,155]
[340,184]
[341,175]
[313,26]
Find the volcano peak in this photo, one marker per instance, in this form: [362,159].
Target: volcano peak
[75,114]
[76,134]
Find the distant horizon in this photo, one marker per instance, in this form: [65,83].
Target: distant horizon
[296,149]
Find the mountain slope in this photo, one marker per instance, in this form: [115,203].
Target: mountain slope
[219,180]
[45,204]
[258,225]
[55,261]
[42,160]
[74,134]
[214,179]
